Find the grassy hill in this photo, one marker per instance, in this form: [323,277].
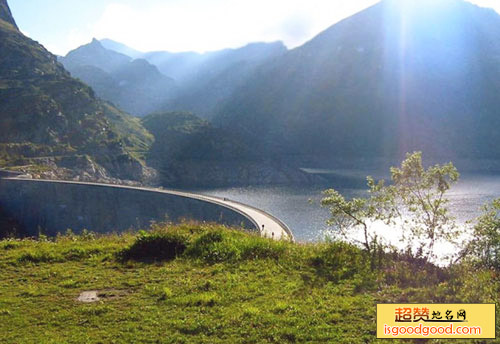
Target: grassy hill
[208,284]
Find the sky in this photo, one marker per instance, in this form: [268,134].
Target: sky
[182,25]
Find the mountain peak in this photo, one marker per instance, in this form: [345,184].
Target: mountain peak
[399,76]
[6,14]
[105,59]
[95,44]
[121,48]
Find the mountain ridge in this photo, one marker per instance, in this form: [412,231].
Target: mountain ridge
[105,59]
[162,58]
[202,81]
[368,86]
[134,85]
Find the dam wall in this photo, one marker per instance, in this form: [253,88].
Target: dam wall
[50,207]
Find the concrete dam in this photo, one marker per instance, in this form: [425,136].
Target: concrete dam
[52,207]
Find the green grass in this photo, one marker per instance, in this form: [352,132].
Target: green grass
[219,286]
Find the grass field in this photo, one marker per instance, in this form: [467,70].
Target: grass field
[196,283]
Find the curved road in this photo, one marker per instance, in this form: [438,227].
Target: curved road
[269,226]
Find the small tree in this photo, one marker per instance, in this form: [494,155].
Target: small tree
[358,213]
[415,204]
[484,245]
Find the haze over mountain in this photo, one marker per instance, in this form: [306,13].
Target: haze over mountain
[53,126]
[50,121]
[121,48]
[204,80]
[136,86]
[215,76]
[396,77]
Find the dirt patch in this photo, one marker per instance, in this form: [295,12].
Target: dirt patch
[98,295]
[88,296]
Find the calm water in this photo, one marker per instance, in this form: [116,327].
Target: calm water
[307,219]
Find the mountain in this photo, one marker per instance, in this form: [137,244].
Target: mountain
[135,86]
[53,125]
[6,14]
[204,80]
[94,54]
[182,136]
[121,48]
[179,66]
[402,75]
[190,152]
[215,76]
[186,67]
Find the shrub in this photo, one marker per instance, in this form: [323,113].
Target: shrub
[159,245]
[224,245]
[208,243]
[484,246]
[214,247]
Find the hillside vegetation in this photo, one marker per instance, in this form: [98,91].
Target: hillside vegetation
[48,118]
[191,152]
[195,283]
[181,136]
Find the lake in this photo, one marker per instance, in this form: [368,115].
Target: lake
[298,206]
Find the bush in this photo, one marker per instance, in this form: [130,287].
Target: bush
[484,246]
[162,245]
[208,243]
[223,245]
[214,247]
